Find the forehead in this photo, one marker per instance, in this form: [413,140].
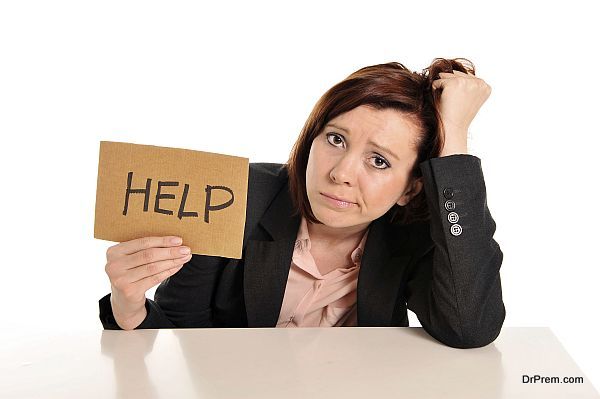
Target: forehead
[386,126]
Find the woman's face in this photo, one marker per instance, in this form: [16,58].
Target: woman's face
[363,158]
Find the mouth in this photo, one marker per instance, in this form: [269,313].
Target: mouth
[337,201]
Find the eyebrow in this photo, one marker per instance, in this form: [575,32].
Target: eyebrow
[382,148]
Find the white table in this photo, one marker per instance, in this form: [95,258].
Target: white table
[286,363]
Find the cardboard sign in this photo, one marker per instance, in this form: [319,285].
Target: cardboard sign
[146,190]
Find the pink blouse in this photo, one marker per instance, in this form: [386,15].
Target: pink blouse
[315,300]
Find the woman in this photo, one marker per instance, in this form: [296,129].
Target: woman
[379,208]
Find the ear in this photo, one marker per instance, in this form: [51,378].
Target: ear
[413,189]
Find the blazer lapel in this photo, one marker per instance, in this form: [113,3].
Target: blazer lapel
[267,262]
[267,266]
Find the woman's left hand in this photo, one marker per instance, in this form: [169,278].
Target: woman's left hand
[462,96]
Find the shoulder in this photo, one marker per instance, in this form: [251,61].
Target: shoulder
[265,181]
[267,173]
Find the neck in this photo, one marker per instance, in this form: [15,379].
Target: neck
[336,235]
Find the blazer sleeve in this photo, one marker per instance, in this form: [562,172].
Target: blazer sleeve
[454,287]
[186,299]
[181,301]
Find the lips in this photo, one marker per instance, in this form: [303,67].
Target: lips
[337,198]
[336,202]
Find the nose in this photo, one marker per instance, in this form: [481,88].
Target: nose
[344,171]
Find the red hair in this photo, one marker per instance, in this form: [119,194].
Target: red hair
[381,86]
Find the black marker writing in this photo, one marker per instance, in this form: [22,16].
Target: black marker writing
[181,212]
[208,207]
[129,190]
[160,196]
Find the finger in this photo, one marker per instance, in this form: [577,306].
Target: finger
[153,255]
[467,75]
[146,283]
[447,75]
[456,74]
[139,244]
[438,83]
[150,269]
[441,82]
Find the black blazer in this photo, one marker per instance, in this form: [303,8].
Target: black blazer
[451,282]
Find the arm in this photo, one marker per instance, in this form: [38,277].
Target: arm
[186,299]
[181,301]
[155,317]
[454,287]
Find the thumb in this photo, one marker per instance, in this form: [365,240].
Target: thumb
[438,84]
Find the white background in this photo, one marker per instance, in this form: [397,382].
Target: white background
[241,79]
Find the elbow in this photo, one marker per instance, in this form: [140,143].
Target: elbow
[470,335]
[480,335]
[469,340]
[472,341]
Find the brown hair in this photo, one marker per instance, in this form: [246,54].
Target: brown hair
[381,86]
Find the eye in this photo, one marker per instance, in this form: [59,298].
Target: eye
[335,139]
[380,163]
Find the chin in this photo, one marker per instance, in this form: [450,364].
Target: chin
[334,219]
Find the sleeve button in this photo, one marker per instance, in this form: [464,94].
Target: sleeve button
[449,205]
[448,193]
[453,217]
[456,230]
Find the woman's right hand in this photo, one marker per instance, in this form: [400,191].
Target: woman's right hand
[134,267]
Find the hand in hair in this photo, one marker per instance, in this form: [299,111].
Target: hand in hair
[461,98]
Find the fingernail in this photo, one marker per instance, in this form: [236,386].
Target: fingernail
[184,250]
[176,240]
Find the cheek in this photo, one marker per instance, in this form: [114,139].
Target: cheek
[310,164]
[317,163]
[381,193]
[311,170]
